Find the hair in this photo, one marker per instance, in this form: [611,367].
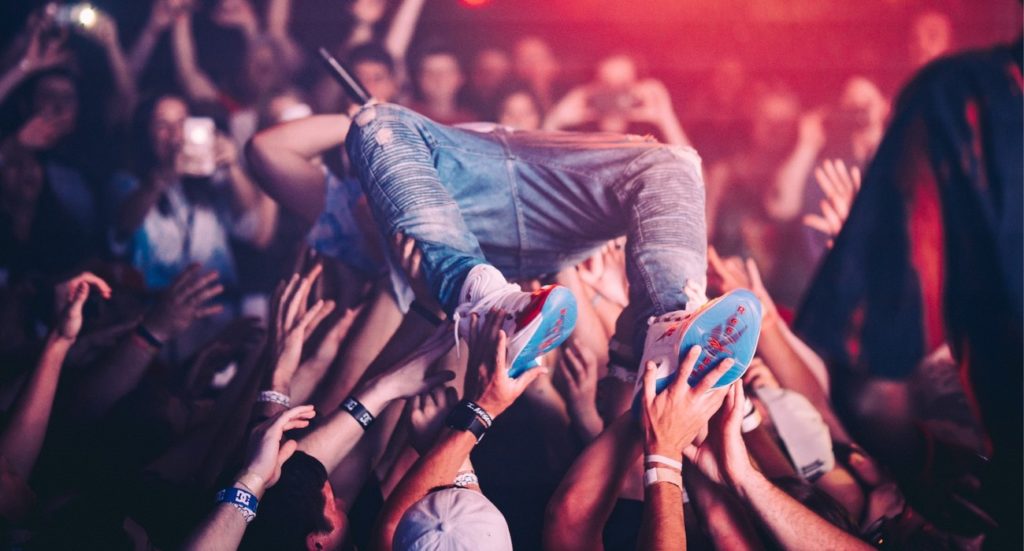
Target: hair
[510,89]
[371,52]
[292,509]
[824,505]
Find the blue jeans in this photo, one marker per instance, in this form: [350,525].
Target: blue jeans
[533,203]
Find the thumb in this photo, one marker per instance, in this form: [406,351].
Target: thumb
[526,379]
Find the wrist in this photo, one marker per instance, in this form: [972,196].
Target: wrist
[252,483]
[374,398]
[57,339]
[157,330]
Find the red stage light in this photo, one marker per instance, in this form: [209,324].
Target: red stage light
[474,3]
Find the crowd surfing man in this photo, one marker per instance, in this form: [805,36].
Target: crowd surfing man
[489,203]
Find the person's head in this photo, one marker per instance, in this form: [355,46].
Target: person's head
[287,105]
[728,79]
[452,519]
[21,180]
[263,71]
[517,106]
[54,96]
[534,62]
[439,76]
[161,123]
[775,119]
[491,66]
[375,68]
[299,512]
[863,105]
[818,501]
[931,35]
[618,71]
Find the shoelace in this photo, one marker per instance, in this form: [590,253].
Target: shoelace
[483,303]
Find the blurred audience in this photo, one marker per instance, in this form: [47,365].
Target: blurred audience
[193,359]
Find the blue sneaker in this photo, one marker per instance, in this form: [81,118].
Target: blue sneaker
[727,327]
[537,322]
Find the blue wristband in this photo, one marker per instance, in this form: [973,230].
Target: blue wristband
[244,501]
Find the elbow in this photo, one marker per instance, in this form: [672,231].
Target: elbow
[561,530]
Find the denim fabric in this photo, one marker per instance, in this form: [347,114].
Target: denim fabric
[532,203]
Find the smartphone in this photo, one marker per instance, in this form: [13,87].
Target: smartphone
[82,14]
[607,101]
[196,157]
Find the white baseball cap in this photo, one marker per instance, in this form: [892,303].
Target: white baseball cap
[453,519]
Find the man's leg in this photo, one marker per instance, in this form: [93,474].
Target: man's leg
[667,240]
[389,150]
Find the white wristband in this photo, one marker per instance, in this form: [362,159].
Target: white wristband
[751,419]
[663,460]
[657,474]
[275,397]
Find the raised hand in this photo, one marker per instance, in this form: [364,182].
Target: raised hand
[673,418]
[840,186]
[427,413]
[409,377]
[294,323]
[410,258]
[266,451]
[43,131]
[185,301]
[735,273]
[165,12]
[237,14]
[69,297]
[580,368]
[487,380]
[722,456]
[44,51]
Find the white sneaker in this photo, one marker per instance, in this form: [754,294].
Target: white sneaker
[727,327]
[536,323]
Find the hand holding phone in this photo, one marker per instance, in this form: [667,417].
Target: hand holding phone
[197,156]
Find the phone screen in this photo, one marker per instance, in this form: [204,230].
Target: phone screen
[196,157]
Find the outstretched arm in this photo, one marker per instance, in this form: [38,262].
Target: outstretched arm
[224,527]
[489,386]
[282,157]
[21,441]
[197,85]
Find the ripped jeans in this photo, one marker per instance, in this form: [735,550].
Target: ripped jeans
[533,203]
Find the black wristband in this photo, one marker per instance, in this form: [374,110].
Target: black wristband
[150,338]
[478,411]
[358,412]
[465,417]
[425,313]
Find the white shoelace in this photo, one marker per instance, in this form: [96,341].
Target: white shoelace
[483,304]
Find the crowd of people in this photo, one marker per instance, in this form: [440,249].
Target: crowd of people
[207,343]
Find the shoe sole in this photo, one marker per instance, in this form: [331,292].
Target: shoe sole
[718,339]
[547,328]
[729,329]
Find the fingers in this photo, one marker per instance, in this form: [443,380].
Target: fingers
[297,302]
[451,395]
[755,275]
[206,294]
[649,383]
[296,417]
[185,279]
[500,351]
[209,311]
[816,222]
[285,289]
[711,378]
[686,366]
[856,176]
[326,307]
[830,214]
[197,286]
[716,262]
[436,379]
[96,281]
